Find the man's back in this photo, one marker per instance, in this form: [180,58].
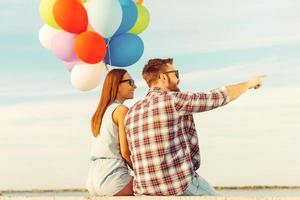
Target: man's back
[163,140]
[159,149]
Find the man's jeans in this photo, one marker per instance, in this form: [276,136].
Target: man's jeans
[199,187]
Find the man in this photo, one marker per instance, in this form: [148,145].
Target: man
[161,132]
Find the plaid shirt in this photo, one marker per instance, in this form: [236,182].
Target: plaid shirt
[163,139]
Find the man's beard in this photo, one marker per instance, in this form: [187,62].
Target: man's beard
[173,88]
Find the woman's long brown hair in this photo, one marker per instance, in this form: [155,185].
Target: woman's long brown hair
[108,96]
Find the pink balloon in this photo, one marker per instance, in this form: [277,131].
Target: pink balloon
[70,65]
[63,46]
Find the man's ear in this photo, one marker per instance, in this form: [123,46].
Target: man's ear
[162,77]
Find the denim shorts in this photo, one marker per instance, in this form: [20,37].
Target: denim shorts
[199,187]
[107,177]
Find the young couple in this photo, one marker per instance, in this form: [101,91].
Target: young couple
[156,138]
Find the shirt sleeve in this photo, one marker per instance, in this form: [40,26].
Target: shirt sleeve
[188,103]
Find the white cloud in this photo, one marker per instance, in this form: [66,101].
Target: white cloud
[56,134]
[280,72]
[202,26]
[252,138]
[31,90]
[45,141]
[189,44]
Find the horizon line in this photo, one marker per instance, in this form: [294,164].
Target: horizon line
[248,187]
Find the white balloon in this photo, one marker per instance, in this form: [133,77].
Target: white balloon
[105,16]
[85,77]
[46,34]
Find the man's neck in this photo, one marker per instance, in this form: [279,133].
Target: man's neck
[160,86]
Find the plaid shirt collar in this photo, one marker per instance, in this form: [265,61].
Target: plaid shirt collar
[156,89]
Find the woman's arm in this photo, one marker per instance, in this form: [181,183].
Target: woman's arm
[119,116]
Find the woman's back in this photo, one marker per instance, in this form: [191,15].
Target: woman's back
[106,144]
[108,173]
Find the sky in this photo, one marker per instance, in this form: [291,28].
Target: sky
[254,140]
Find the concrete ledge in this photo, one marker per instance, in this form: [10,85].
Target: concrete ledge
[149,198]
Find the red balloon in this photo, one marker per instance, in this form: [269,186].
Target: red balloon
[90,47]
[70,15]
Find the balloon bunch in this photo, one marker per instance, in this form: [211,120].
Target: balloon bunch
[88,34]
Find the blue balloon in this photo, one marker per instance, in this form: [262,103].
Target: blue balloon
[129,16]
[124,50]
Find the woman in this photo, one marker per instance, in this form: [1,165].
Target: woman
[108,173]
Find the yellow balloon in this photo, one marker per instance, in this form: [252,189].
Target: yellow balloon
[142,21]
[46,11]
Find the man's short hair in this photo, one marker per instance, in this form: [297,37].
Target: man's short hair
[153,68]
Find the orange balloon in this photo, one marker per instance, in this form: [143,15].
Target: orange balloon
[70,15]
[140,2]
[90,47]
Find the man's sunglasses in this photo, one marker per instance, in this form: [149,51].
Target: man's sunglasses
[131,81]
[174,71]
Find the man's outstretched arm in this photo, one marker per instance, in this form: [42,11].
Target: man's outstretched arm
[186,103]
[234,91]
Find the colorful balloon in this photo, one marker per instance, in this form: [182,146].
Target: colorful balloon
[139,2]
[70,15]
[129,16]
[90,47]
[142,21]
[46,35]
[70,65]
[46,12]
[63,46]
[85,24]
[105,16]
[85,77]
[124,50]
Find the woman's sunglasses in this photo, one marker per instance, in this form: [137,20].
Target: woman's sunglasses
[131,81]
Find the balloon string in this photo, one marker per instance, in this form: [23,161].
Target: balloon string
[108,48]
[106,66]
[140,2]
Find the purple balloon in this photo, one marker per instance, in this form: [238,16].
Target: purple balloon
[63,46]
[70,65]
